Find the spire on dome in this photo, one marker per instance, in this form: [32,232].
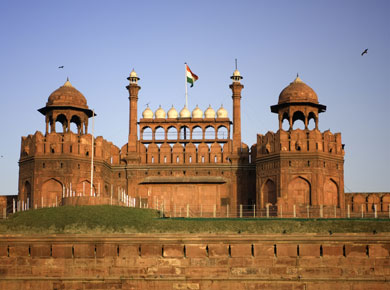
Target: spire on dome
[67,83]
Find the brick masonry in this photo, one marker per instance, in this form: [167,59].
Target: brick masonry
[165,261]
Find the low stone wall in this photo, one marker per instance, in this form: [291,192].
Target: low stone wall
[345,261]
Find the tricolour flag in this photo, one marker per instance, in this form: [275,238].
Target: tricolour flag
[191,77]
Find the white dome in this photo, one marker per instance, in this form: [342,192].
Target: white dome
[222,113]
[147,113]
[172,113]
[160,113]
[133,74]
[197,113]
[185,113]
[209,113]
[236,73]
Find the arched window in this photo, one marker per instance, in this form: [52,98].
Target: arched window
[269,192]
[311,122]
[147,133]
[159,134]
[298,120]
[209,133]
[61,124]
[285,122]
[197,133]
[75,124]
[172,133]
[222,133]
[184,133]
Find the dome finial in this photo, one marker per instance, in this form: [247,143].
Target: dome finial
[298,79]
[67,83]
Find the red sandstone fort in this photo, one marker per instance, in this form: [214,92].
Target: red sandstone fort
[197,159]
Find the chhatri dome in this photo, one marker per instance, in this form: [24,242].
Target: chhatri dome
[172,113]
[160,113]
[147,113]
[222,113]
[298,91]
[185,113]
[209,113]
[197,113]
[67,95]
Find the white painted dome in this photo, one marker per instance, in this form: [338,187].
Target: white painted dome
[133,74]
[209,113]
[147,113]
[185,113]
[160,113]
[197,113]
[222,113]
[172,113]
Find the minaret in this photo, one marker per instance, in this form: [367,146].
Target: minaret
[133,89]
[236,88]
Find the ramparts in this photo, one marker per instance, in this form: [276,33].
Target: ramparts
[167,261]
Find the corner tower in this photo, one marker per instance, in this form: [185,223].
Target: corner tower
[300,171]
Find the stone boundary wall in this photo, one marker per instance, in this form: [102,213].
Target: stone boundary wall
[165,261]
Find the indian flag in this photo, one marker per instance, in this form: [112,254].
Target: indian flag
[191,77]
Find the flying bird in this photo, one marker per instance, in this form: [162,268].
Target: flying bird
[61,66]
[365,51]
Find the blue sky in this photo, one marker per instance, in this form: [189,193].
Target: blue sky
[100,42]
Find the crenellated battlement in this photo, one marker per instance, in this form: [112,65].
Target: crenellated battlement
[310,141]
[69,144]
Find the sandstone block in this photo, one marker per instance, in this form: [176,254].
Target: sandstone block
[62,251]
[128,250]
[151,250]
[20,250]
[332,250]
[379,250]
[196,251]
[355,250]
[286,250]
[264,250]
[40,250]
[218,250]
[309,250]
[173,251]
[241,250]
[84,250]
[106,250]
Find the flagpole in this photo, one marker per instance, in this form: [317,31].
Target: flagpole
[185,82]
[93,145]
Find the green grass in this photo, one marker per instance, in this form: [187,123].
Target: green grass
[115,219]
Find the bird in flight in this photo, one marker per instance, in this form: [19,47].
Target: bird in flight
[365,51]
[61,66]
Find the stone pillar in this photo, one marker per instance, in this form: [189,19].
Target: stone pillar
[133,89]
[236,88]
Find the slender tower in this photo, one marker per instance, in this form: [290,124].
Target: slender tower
[133,89]
[236,88]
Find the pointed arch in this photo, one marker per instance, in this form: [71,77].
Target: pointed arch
[299,191]
[51,192]
[269,192]
[331,193]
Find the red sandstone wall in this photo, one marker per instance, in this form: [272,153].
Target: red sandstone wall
[195,262]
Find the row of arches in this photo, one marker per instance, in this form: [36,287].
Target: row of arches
[368,202]
[184,153]
[298,120]
[300,192]
[62,124]
[185,133]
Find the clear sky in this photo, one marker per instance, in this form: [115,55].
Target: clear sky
[100,42]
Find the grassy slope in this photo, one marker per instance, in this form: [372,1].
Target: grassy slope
[110,219]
